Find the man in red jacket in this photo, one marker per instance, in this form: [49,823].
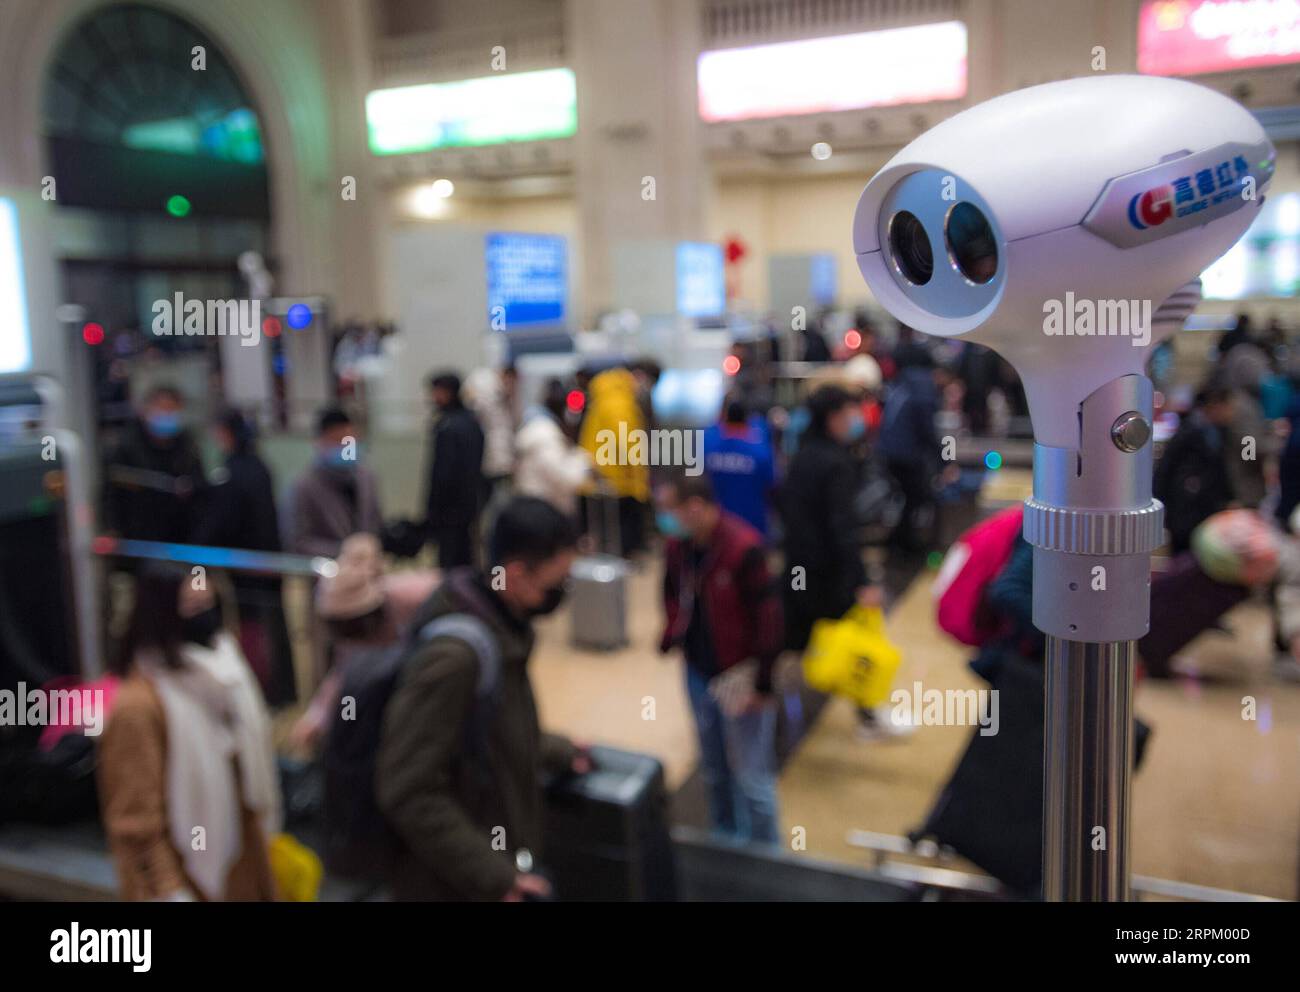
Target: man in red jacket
[721,609]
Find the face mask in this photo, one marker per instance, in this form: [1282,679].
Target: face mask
[202,627]
[550,602]
[163,425]
[857,427]
[669,525]
[335,458]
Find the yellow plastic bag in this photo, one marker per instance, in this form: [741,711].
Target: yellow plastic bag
[296,868]
[852,657]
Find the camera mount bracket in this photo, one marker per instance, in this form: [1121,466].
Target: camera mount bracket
[1092,521]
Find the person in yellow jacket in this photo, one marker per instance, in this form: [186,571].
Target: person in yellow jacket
[612,415]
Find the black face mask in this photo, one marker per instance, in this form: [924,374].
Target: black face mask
[550,602]
[203,627]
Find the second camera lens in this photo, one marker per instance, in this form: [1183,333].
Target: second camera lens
[971,243]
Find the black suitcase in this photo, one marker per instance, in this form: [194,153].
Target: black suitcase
[991,810]
[607,832]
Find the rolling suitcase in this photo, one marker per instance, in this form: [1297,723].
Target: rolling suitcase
[1184,602]
[598,613]
[606,832]
[991,810]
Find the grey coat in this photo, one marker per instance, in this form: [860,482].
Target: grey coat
[318,516]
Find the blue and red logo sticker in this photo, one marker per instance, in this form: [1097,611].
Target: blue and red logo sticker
[1188,195]
[1181,193]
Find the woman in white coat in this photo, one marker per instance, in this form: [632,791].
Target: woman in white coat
[548,464]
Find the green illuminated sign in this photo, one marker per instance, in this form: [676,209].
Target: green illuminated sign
[521,106]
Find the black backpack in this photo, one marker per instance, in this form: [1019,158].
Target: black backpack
[359,842]
[55,787]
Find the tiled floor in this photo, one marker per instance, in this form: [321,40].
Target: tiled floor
[1217,801]
[634,698]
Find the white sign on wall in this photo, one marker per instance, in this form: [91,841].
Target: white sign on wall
[847,72]
[15,333]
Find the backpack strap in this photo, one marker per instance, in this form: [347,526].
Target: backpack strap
[470,630]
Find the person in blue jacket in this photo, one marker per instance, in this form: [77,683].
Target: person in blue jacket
[739,461]
[909,442]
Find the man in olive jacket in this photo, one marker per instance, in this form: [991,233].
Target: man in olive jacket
[459,772]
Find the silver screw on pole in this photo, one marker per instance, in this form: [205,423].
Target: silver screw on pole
[1131,431]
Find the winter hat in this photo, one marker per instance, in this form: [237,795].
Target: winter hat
[1238,547]
[863,371]
[357,588]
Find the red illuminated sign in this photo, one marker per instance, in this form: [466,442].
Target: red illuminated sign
[1186,37]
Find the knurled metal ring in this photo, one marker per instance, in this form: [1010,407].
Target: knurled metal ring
[1094,532]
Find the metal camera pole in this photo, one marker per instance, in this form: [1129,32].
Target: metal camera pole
[1093,525]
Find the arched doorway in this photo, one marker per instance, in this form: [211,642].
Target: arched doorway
[155,149]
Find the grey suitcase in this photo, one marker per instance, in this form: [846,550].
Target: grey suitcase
[599,590]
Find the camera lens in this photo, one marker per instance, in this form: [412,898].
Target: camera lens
[910,246]
[971,244]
